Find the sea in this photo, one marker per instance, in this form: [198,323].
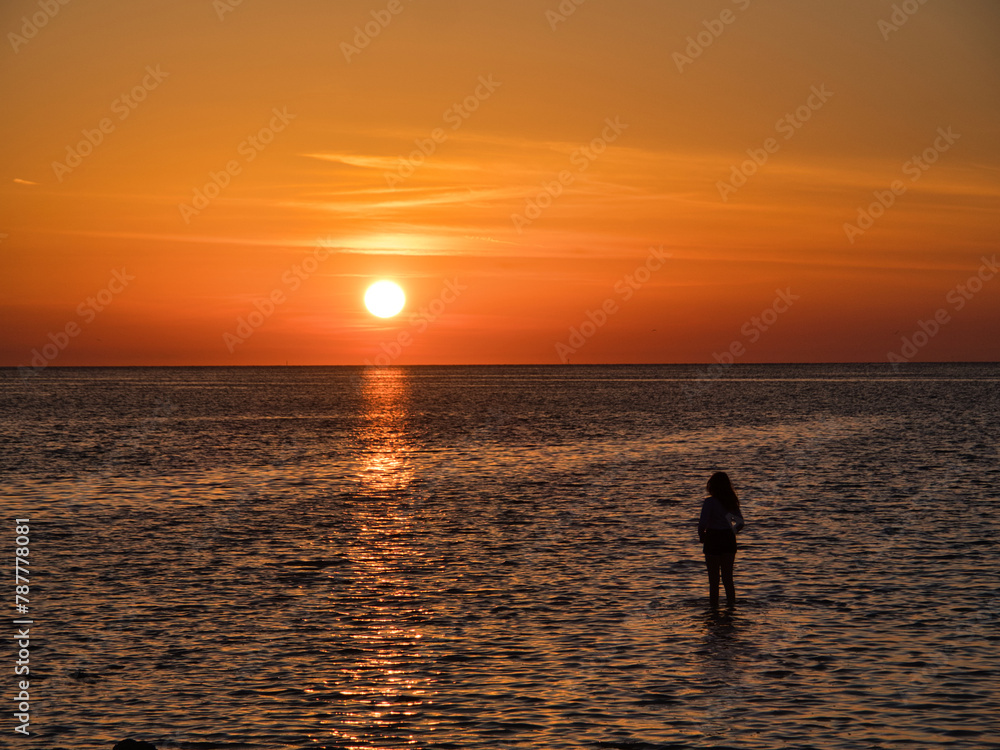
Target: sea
[437,558]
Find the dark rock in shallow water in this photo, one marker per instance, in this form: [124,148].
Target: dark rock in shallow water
[131,744]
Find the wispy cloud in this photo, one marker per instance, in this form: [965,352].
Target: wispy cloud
[358,160]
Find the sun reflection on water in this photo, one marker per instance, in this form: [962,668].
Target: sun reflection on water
[383,436]
[384,686]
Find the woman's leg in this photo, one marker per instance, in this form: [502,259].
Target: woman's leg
[727,563]
[713,562]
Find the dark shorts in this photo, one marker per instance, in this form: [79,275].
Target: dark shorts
[719,542]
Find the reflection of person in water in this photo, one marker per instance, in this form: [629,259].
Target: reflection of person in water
[721,519]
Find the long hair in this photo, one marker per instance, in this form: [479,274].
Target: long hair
[722,490]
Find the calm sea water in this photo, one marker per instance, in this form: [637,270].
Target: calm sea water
[505,557]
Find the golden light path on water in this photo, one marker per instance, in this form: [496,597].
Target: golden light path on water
[386,693]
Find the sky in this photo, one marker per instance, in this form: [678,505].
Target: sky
[190,182]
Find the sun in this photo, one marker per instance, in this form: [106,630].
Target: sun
[385,299]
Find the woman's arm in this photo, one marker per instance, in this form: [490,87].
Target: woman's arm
[703,522]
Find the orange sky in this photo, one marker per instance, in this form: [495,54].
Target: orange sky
[559,149]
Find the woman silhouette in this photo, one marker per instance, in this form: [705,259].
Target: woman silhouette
[721,519]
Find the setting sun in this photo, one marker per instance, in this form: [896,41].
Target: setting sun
[385,299]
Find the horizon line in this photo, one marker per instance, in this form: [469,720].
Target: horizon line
[524,364]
